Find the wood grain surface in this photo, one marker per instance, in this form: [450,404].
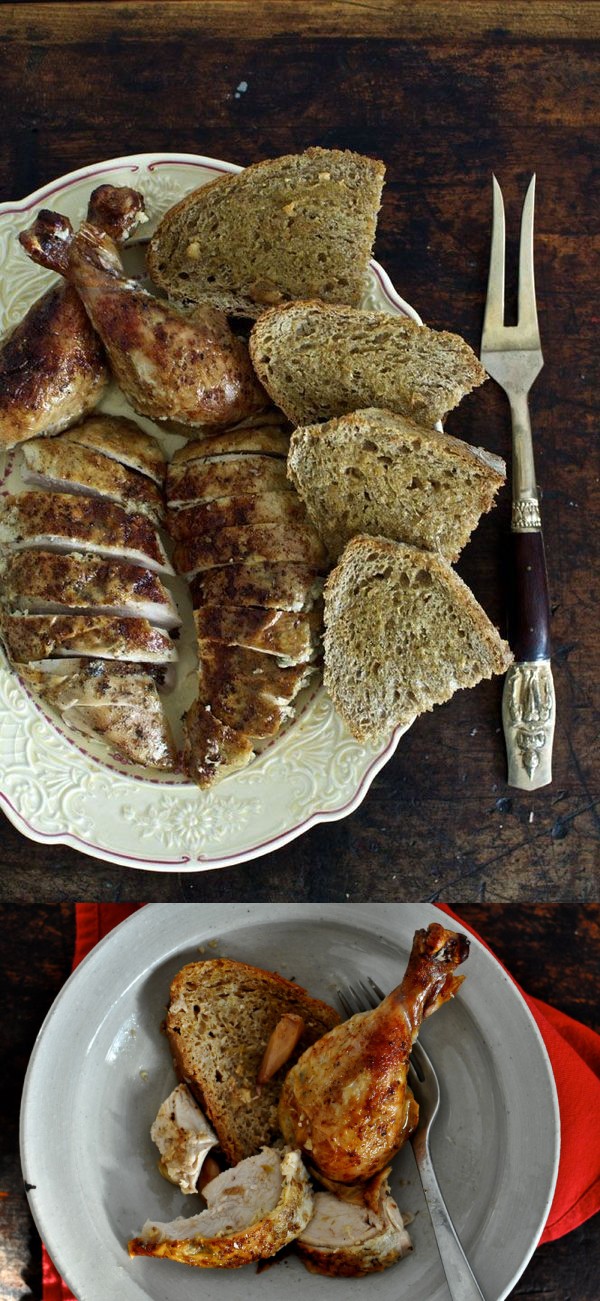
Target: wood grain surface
[550,950]
[445,94]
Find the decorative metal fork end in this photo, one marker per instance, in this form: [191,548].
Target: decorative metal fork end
[528,717]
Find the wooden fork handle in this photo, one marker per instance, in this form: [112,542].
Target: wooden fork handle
[528,701]
[529,611]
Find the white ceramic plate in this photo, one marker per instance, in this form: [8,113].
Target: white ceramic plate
[101,1068]
[58,787]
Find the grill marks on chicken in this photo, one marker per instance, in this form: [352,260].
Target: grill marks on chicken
[52,368]
[346,1103]
[190,369]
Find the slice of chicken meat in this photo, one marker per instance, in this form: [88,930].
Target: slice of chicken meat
[51,582]
[191,369]
[293,638]
[267,440]
[44,636]
[183,1137]
[124,441]
[225,476]
[65,522]
[246,690]
[118,703]
[346,1102]
[210,518]
[276,586]
[52,368]
[249,543]
[358,1232]
[211,748]
[67,467]
[253,1211]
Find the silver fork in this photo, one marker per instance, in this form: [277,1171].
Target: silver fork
[512,355]
[462,1284]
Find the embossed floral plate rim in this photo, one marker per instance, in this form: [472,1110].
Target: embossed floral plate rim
[91,1168]
[56,788]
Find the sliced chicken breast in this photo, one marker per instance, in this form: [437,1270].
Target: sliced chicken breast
[60,521]
[116,702]
[52,368]
[210,517]
[361,1231]
[277,586]
[211,748]
[252,1212]
[183,1137]
[246,690]
[124,441]
[293,638]
[267,440]
[225,476]
[68,467]
[51,582]
[249,543]
[44,636]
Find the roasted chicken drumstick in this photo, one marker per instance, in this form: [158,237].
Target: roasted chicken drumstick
[346,1102]
[190,369]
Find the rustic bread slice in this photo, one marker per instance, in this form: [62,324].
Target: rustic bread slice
[380,473]
[293,227]
[220,1019]
[402,634]
[318,361]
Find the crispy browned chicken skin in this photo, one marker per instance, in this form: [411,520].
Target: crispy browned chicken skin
[346,1102]
[52,368]
[189,369]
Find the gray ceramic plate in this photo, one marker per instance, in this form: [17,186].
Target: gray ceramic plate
[101,1067]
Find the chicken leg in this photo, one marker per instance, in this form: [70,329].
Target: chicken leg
[189,369]
[346,1102]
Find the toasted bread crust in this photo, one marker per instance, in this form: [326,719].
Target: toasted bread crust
[243,1122]
[379,473]
[388,659]
[280,229]
[318,360]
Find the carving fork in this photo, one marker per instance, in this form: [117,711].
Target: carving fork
[512,355]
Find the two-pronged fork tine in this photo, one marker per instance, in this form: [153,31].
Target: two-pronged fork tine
[512,355]
[462,1284]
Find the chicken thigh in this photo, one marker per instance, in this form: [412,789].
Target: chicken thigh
[52,368]
[190,369]
[346,1102]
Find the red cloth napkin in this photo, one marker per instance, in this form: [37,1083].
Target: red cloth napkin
[573,1049]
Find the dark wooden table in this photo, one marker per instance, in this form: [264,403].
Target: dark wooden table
[550,950]
[444,94]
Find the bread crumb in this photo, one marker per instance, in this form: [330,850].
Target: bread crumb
[193,251]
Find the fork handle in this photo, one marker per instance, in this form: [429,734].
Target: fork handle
[528,702]
[462,1284]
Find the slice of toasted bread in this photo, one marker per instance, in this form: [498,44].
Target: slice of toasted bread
[293,227]
[317,361]
[379,473]
[402,634]
[220,1019]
